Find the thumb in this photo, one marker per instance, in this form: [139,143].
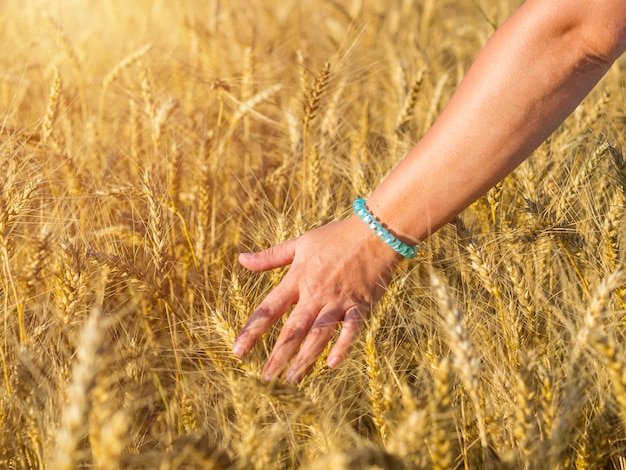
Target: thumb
[274,257]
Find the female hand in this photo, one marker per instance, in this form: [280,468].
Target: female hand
[338,272]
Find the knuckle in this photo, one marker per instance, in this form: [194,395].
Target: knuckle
[322,331]
[291,333]
[263,313]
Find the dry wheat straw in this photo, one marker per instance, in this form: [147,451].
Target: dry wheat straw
[113,75]
[246,108]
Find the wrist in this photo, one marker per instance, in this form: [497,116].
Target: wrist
[381,231]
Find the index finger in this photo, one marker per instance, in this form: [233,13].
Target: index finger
[264,316]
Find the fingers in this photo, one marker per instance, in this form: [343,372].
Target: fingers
[316,340]
[293,332]
[264,316]
[352,325]
[274,257]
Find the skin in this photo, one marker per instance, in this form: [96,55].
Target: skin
[533,72]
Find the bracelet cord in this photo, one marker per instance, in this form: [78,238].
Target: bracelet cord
[361,210]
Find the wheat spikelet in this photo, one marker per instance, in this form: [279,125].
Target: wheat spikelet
[596,310]
[37,262]
[108,429]
[34,435]
[441,445]
[174,173]
[146,92]
[375,377]
[613,358]
[303,75]
[206,210]
[74,61]
[72,280]
[14,202]
[246,412]
[360,187]
[610,229]
[330,123]
[465,361]
[494,197]
[409,435]
[523,296]
[314,96]
[294,132]
[408,109]
[546,398]
[53,107]
[489,278]
[160,118]
[68,453]
[581,176]
[525,429]
[237,297]
[435,101]
[157,232]
[593,447]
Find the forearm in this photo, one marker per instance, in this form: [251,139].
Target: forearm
[531,75]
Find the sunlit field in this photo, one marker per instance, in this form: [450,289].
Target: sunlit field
[144,144]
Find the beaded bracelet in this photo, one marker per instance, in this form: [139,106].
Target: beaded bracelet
[381,232]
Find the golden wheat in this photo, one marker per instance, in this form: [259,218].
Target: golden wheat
[144,145]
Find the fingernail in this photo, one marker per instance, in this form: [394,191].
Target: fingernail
[267,377]
[333,362]
[291,377]
[239,350]
[246,255]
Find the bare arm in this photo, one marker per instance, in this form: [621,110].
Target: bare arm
[532,73]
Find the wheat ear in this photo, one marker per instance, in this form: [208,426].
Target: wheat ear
[53,107]
[74,416]
[465,360]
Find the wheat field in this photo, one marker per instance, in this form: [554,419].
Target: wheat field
[144,144]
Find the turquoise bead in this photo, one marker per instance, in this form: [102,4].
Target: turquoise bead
[361,210]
